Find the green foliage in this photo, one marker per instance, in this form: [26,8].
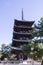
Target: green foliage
[38,30]
[5,49]
[41,19]
[34,50]
[27,47]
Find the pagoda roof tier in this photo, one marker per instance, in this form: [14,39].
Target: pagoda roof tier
[22,29]
[23,22]
[17,44]
[22,33]
[17,40]
[25,27]
[16,48]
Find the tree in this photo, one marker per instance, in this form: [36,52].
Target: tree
[5,49]
[35,51]
[38,30]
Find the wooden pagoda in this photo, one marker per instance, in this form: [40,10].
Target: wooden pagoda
[21,34]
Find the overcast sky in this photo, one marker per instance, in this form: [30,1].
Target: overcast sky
[11,9]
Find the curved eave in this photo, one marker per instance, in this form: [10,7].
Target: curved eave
[16,48]
[25,27]
[21,40]
[27,22]
[21,33]
[23,21]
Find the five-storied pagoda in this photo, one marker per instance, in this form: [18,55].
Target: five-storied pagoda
[21,34]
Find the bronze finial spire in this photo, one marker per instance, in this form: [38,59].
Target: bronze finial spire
[22,13]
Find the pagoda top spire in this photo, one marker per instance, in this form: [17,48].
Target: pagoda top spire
[22,14]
